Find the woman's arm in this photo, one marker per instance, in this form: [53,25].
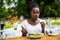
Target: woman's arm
[24,32]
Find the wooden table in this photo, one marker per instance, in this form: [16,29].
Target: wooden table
[44,37]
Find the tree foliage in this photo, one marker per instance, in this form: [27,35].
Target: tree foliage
[49,8]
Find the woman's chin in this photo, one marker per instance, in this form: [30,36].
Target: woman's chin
[35,18]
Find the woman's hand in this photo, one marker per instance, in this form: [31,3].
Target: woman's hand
[42,26]
[24,32]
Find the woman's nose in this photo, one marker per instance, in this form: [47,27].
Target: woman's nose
[37,14]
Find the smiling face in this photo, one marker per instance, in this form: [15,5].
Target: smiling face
[35,13]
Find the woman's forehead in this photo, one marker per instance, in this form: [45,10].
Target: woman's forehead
[35,9]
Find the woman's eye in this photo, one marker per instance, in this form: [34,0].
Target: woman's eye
[36,12]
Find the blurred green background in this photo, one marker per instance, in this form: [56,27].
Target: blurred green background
[48,8]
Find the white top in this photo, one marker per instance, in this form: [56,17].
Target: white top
[32,29]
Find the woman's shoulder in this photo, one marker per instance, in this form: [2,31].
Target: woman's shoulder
[25,21]
[41,20]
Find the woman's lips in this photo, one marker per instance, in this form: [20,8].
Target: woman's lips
[35,18]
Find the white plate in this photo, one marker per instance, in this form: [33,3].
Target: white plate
[52,34]
[34,37]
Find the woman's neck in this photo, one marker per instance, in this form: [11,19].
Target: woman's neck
[31,19]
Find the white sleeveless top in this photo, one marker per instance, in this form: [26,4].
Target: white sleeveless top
[32,29]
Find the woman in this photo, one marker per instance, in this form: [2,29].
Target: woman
[33,24]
